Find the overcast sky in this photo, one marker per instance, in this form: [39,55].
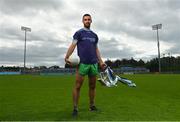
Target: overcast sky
[123,26]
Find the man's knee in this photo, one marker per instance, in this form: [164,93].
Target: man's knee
[92,82]
[79,82]
[78,86]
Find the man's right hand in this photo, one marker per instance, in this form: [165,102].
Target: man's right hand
[67,61]
[69,52]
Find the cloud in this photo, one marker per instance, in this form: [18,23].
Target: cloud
[26,7]
[110,49]
[45,53]
[123,26]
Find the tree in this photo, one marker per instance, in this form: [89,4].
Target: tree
[140,63]
[109,63]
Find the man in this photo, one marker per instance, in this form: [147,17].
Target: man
[86,41]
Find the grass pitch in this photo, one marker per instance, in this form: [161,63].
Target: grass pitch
[28,97]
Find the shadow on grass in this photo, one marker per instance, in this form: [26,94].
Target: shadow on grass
[62,115]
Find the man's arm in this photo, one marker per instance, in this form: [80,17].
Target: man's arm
[70,51]
[99,56]
[102,64]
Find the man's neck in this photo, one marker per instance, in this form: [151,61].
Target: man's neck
[87,28]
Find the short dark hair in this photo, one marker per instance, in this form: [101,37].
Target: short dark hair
[86,15]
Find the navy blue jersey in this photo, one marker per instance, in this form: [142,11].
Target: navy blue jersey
[86,45]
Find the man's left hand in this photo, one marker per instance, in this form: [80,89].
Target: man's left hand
[103,65]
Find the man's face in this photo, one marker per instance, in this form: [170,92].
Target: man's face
[87,21]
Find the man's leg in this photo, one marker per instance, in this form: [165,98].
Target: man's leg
[76,90]
[92,90]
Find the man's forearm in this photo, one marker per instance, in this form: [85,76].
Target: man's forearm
[99,56]
[70,51]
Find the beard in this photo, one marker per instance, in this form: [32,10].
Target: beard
[87,25]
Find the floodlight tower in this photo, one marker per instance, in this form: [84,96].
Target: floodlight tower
[157,27]
[26,29]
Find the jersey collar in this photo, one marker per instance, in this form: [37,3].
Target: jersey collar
[86,29]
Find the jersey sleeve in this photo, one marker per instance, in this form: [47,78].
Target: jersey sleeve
[76,37]
[97,39]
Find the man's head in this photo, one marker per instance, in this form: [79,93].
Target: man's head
[87,20]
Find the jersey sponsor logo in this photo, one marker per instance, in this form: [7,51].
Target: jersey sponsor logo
[90,39]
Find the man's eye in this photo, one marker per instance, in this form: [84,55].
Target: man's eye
[87,19]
